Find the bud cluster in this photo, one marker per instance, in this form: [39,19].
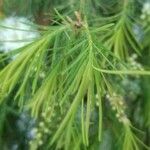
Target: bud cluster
[134,64]
[145,16]
[118,105]
[50,120]
[42,129]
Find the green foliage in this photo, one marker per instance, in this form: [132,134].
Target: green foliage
[70,78]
